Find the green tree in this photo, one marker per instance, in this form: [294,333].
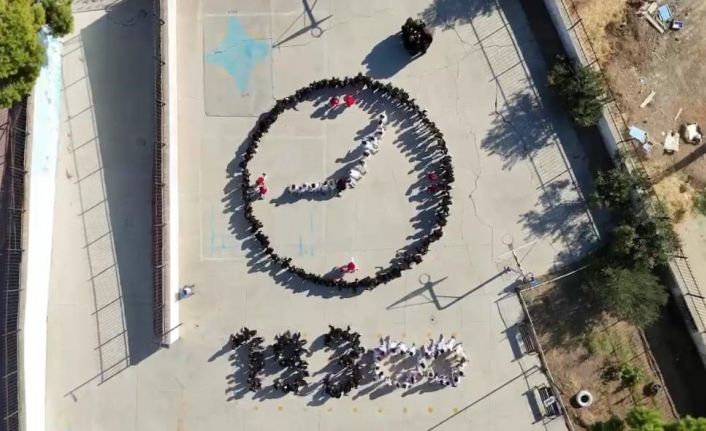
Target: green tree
[630,294]
[614,189]
[612,424]
[581,91]
[688,424]
[21,53]
[644,419]
[648,242]
[58,16]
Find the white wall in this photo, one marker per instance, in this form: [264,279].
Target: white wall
[40,187]
[171,139]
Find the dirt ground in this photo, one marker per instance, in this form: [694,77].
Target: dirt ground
[580,349]
[638,60]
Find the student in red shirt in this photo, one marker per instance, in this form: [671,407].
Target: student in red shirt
[350,267]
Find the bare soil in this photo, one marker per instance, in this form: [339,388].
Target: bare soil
[638,60]
[580,345]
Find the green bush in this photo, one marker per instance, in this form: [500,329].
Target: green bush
[630,294]
[630,376]
[612,424]
[645,242]
[644,419]
[21,53]
[688,424]
[58,16]
[613,189]
[581,91]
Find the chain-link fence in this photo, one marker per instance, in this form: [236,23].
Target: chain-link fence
[159,220]
[11,211]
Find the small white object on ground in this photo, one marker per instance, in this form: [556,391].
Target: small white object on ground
[648,99]
[671,142]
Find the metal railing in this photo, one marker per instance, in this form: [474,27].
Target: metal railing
[13,184]
[630,151]
[559,394]
[159,220]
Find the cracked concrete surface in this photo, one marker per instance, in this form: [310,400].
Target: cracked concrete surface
[520,179]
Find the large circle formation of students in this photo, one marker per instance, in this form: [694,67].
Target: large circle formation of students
[443,176]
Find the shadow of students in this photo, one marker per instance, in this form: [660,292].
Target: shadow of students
[386,58]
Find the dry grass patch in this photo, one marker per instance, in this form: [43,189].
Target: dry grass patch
[597,15]
[588,350]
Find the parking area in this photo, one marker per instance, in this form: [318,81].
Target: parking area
[520,179]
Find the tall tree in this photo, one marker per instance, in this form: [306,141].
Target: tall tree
[581,90]
[21,53]
[630,294]
[58,16]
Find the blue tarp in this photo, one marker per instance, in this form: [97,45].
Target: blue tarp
[664,13]
[639,134]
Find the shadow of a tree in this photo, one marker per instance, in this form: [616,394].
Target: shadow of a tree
[447,14]
[564,314]
[519,130]
[562,215]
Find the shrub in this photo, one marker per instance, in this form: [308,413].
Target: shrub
[612,424]
[644,419]
[58,16]
[581,91]
[646,243]
[630,376]
[688,424]
[21,53]
[614,188]
[630,294]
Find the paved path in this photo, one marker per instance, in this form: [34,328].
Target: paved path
[513,189]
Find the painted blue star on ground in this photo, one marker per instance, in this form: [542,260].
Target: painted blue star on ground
[238,54]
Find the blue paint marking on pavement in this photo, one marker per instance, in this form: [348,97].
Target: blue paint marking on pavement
[311,229]
[238,54]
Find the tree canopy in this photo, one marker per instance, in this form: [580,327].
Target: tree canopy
[21,52]
[58,16]
[648,419]
[581,90]
[688,424]
[644,419]
[630,294]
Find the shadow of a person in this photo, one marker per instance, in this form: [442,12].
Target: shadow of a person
[386,58]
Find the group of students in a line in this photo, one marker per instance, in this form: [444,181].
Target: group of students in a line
[425,356]
[371,145]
